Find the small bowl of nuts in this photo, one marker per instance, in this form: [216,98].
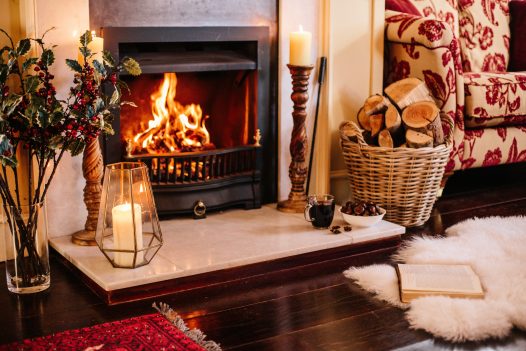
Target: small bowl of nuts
[362,213]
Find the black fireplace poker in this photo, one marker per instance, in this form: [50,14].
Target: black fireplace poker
[321,79]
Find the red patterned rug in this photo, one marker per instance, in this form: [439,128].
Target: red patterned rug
[160,331]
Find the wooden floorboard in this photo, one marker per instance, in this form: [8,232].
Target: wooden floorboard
[309,307]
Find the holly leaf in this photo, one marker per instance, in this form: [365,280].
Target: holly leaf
[99,67]
[23,47]
[108,58]
[74,65]
[115,97]
[85,51]
[85,38]
[43,119]
[28,63]
[76,147]
[31,84]
[131,66]
[7,157]
[9,105]
[48,57]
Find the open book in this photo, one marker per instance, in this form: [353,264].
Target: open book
[417,280]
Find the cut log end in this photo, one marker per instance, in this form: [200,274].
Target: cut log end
[420,114]
[363,120]
[407,91]
[377,123]
[385,139]
[375,104]
[418,140]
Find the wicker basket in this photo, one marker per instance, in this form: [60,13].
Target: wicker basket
[404,181]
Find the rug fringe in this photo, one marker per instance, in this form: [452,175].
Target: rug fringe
[195,334]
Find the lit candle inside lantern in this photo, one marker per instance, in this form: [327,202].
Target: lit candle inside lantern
[300,48]
[127,228]
[96,46]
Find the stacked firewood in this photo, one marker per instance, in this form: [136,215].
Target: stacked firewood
[406,116]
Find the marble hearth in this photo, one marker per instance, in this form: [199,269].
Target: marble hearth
[225,240]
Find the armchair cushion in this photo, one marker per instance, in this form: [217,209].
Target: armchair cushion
[495,95]
[442,10]
[518,36]
[404,6]
[484,35]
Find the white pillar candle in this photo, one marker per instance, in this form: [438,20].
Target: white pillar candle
[300,48]
[125,227]
[96,46]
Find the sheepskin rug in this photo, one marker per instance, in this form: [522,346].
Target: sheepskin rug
[495,247]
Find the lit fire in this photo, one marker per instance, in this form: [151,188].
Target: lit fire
[174,127]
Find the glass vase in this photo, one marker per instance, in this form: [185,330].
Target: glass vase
[26,244]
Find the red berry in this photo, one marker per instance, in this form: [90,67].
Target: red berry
[36,68]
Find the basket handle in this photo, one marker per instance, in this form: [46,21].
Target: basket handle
[350,130]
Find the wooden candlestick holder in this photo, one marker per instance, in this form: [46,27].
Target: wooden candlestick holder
[298,143]
[93,170]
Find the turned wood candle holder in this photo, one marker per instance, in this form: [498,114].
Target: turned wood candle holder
[298,143]
[93,169]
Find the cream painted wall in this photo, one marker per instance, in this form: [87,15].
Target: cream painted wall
[350,34]
[65,207]
[355,51]
[292,14]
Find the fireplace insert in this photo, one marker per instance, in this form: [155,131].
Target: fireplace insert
[202,123]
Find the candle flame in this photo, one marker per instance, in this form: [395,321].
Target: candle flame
[301,28]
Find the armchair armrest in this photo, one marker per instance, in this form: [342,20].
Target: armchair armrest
[428,49]
[410,29]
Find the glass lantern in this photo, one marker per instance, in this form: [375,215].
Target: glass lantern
[128,230]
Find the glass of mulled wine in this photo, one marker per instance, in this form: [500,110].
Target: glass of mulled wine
[320,210]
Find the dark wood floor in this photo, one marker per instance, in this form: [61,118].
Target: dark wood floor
[307,308]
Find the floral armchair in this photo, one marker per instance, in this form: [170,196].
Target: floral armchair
[461,50]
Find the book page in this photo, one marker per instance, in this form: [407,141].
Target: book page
[442,278]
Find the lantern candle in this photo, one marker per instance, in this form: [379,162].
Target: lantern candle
[300,48]
[127,231]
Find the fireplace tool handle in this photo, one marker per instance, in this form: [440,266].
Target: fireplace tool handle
[321,80]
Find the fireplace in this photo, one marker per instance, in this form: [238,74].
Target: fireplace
[202,123]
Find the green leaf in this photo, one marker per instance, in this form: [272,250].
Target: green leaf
[99,105]
[48,57]
[99,67]
[7,156]
[90,112]
[43,119]
[23,47]
[108,58]
[28,63]
[9,105]
[74,65]
[76,147]
[85,38]
[131,66]
[56,117]
[115,97]
[85,51]
[31,84]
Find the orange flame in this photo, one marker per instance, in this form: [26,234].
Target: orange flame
[174,127]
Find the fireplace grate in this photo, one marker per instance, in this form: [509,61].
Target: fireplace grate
[199,167]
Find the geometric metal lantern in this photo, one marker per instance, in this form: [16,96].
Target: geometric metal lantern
[128,231]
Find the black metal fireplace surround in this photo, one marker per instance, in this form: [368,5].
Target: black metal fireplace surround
[237,172]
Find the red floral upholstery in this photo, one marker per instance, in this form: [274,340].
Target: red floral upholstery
[484,35]
[494,95]
[451,39]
